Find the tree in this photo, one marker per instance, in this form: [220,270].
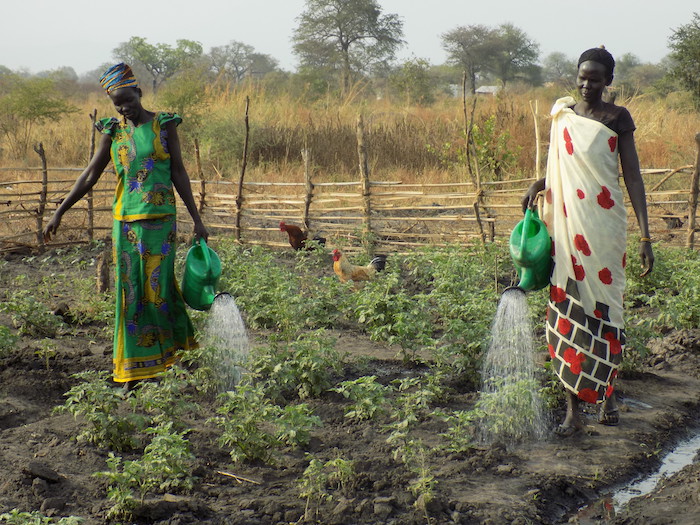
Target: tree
[236,60]
[65,79]
[560,69]
[631,75]
[160,60]
[624,64]
[514,54]
[413,81]
[346,36]
[25,103]
[470,47]
[685,54]
[505,51]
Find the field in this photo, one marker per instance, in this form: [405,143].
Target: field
[363,405]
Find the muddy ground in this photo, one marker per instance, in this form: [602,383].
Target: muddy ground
[42,467]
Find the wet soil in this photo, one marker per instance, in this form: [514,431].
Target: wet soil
[44,468]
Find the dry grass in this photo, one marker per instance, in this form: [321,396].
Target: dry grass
[413,144]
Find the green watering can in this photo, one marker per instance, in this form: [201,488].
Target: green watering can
[202,272]
[530,249]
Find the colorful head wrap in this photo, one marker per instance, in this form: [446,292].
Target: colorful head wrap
[118,76]
[600,55]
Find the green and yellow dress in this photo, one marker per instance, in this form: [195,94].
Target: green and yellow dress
[151,322]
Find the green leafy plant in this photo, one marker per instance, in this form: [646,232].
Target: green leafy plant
[166,400]
[389,313]
[320,478]
[492,149]
[368,396]
[461,432]
[99,404]
[17,517]
[46,351]
[274,296]
[7,340]
[29,316]
[301,368]
[89,306]
[509,408]
[423,485]
[165,466]
[253,428]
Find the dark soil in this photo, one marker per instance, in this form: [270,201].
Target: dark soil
[44,468]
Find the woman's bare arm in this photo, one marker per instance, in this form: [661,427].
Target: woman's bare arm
[635,188]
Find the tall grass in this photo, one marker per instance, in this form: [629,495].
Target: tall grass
[411,143]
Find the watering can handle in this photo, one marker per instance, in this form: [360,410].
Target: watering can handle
[205,251]
[525,228]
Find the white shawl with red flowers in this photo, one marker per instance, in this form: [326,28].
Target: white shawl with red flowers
[585,215]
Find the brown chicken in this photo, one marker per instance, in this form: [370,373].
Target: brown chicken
[346,271]
[298,237]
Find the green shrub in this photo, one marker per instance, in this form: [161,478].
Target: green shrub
[29,316]
[302,368]
[7,341]
[254,428]
[100,404]
[165,466]
[368,396]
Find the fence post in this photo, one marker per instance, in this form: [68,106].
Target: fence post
[239,197]
[693,208]
[365,186]
[42,196]
[309,188]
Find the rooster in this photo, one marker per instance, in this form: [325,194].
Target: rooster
[346,271]
[298,237]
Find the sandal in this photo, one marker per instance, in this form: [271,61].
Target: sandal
[565,431]
[609,418]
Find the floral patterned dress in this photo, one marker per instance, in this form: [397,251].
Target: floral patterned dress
[151,322]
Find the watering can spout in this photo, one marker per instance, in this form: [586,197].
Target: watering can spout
[530,249]
[202,272]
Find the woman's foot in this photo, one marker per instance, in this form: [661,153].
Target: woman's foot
[566,431]
[608,413]
[572,422]
[130,385]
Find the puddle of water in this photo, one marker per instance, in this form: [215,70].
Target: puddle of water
[681,456]
[604,509]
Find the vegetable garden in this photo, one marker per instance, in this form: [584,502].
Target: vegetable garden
[358,406]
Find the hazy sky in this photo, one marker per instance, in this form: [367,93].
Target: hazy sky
[40,35]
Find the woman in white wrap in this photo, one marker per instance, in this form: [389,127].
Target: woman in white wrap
[585,215]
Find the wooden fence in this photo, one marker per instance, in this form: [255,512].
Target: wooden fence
[391,216]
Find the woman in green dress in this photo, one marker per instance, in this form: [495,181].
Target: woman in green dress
[151,323]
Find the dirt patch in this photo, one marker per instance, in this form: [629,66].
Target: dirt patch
[44,468]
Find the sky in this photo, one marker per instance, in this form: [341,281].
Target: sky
[41,35]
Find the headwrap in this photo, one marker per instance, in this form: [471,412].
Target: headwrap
[118,76]
[600,55]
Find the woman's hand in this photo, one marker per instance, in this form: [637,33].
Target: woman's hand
[200,231]
[531,194]
[52,226]
[646,254]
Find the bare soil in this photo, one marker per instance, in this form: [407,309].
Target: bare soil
[42,467]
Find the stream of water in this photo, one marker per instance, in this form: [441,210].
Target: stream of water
[603,510]
[513,408]
[226,342]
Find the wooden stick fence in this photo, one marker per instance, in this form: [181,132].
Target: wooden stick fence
[373,214]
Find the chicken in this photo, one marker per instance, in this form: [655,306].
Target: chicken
[346,271]
[298,237]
